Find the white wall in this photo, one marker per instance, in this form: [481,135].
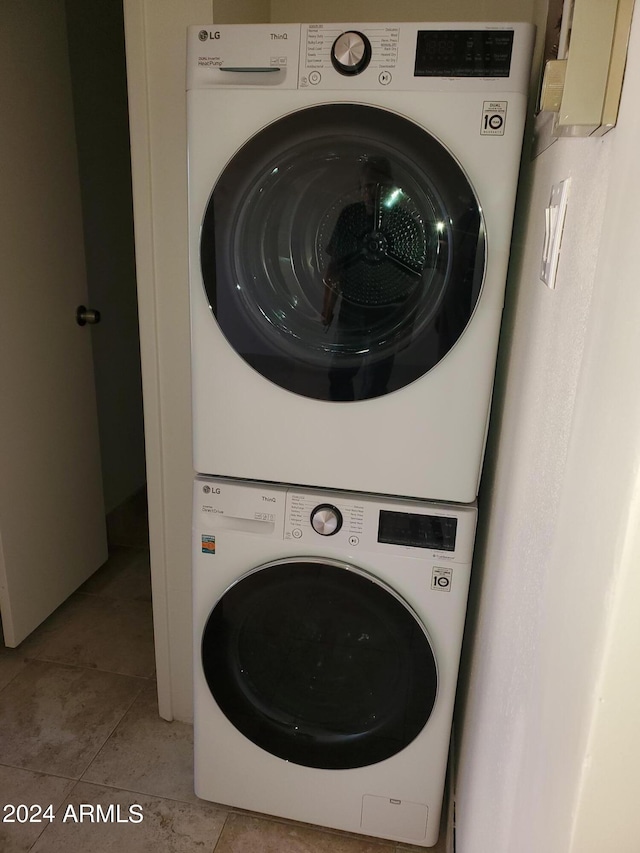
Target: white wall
[156,60]
[551,613]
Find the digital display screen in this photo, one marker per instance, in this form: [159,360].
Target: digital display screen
[418,531]
[463,53]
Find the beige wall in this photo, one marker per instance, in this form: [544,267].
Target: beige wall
[241,11]
[401,10]
[294,11]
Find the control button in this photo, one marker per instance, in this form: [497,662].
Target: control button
[296,533]
[353,540]
[351,53]
[326,519]
[315,77]
[384,78]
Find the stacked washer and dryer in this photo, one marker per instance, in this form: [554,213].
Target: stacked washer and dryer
[351,192]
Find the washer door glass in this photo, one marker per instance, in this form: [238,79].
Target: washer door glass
[342,252]
[320,664]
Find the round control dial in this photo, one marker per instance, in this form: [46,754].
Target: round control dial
[326,519]
[351,53]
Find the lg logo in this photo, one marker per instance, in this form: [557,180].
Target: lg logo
[208,490]
[203,35]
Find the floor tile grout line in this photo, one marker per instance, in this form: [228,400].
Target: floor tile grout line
[58,807]
[104,597]
[222,828]
[112,732]
[35,659]
[90,595]
[80,778]
[39,772]
[326,830]
[123,788]
[228,810]
[155,796]
[101,597]
[13,677]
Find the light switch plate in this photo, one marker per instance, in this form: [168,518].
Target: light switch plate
[554,226]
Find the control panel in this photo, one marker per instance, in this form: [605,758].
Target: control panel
[329,48]
[310,515]
[361,56]
[350,522]
[340,522]
[412,56]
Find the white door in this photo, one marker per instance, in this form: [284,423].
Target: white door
[52,525]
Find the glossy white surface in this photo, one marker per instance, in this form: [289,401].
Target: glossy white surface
[229,768]
[428,436]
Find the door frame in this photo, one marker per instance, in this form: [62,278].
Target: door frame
[155,38]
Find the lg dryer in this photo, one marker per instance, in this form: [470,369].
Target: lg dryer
[351,192]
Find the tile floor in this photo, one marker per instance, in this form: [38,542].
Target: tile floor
[79,727]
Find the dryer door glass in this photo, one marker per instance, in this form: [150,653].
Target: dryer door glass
[343,252]
[320,664]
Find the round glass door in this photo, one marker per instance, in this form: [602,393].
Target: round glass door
[320,664]
[342,252]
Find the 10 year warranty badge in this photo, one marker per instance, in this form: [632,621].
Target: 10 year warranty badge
[494,118]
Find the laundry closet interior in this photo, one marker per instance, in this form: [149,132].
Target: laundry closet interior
[541,443]
[351,196]
[339,580]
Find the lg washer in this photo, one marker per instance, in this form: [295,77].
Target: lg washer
[351,192]
[327,634]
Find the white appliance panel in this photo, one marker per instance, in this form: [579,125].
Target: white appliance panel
[254,525]
[425,439]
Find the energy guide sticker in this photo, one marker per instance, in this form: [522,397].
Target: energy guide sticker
[208,544]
